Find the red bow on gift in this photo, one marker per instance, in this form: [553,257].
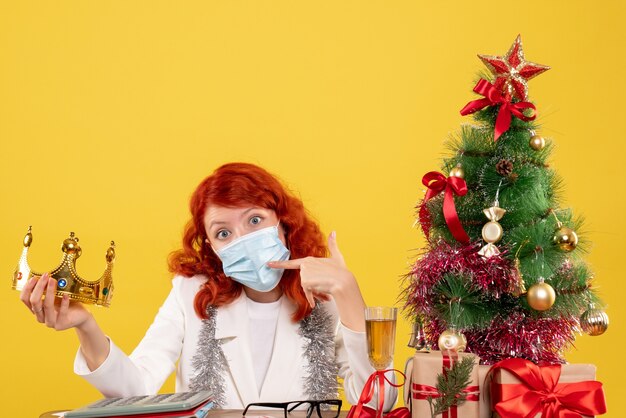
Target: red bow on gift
[436,182]
[361,411]
[540,392]
[507,108]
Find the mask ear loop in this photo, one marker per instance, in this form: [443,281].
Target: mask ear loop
[206,241]
[284,233]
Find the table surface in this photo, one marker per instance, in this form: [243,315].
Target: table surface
[230,413]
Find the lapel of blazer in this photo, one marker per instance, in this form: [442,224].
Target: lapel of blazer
[283,380]
[231,327]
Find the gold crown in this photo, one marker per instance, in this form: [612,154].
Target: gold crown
[97,292]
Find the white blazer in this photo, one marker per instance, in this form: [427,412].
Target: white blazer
[173,337]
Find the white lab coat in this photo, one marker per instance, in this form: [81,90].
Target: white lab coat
[173,337]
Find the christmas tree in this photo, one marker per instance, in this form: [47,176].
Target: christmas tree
[502,274]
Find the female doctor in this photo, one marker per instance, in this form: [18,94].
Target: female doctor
[257,312]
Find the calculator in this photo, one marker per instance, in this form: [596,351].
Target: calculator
[169,404]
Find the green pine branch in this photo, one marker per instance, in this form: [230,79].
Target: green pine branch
[461,304]
[451,385]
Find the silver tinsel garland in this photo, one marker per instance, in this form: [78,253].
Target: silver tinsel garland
[318,331]
[209,362]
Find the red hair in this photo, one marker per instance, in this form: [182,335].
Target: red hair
[237,185]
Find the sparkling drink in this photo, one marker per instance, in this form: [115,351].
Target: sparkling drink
[381,335]
[380,328]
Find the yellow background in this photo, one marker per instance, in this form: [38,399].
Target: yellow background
[111,112]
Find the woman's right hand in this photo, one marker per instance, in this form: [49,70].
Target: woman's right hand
[39,295]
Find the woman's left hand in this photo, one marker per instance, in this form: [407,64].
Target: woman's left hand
[322,278]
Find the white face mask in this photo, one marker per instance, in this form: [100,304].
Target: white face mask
[245,259]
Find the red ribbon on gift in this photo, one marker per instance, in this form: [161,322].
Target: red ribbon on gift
[436,182]
[493,97]
[540,392]
[423,392]
[367,412]
[378,377]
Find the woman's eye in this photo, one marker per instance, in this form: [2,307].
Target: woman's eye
[223,234]
[255,220]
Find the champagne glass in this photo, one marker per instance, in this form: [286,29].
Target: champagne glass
[380,329]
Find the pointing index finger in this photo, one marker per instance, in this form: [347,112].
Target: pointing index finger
[334,248]
[287,264]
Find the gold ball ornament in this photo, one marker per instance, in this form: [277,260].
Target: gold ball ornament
[457,171]
[537,142]
[594,322]
[452,340]
[566,239]
[541,296]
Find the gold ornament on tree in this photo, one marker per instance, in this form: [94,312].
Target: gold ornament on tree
[452,340]
[417,340]
[492,231]
[457,171]
[519,288]
[565,238]
[537,142]
[594,321]
[541,295]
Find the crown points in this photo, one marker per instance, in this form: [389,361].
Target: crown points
[70,246]
[97,292]
[28,238]
[110,256]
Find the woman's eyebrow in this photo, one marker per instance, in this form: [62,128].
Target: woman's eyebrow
[245,212]
[218,222]
[214,223]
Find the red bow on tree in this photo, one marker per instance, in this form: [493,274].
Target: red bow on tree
[540,392]
[437,182]
[507,108]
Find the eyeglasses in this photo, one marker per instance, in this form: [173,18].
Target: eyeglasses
[329,408]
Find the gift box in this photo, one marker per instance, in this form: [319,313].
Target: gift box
[408,380]
[484,404]
[519,388]
[423,381]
